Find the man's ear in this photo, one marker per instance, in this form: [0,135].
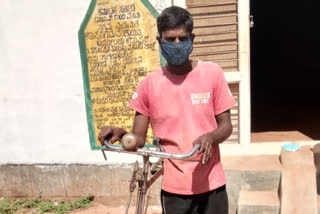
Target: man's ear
[158,39]
[193,36]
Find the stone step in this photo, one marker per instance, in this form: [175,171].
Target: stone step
[258,202]
[261,172]
[298,182]
[250,173]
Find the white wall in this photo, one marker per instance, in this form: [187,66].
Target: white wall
[161,4]
[42,109]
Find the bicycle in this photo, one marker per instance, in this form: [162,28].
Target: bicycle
[140,175]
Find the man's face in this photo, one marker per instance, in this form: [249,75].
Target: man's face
[176,45]
[176,35]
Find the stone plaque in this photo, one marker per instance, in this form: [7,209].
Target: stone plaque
[118,48]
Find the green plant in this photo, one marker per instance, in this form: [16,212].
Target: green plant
[10,206]
[5,207]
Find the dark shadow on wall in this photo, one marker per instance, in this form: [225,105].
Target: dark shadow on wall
[285,67]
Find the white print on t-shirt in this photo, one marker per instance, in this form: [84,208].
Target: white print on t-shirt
[200,98]
[134,95]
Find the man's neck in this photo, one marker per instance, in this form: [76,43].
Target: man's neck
[188,66]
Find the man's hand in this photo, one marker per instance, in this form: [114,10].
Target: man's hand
[206,148]
[112,134]
[139,130]
[217,136]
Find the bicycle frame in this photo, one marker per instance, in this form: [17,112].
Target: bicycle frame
[140,175]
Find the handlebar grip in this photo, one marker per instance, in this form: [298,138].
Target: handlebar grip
[129,142]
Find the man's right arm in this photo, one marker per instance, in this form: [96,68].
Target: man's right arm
[140,128]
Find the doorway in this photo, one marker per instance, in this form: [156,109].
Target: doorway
[285,71]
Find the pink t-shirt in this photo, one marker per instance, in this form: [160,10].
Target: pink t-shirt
[182,108]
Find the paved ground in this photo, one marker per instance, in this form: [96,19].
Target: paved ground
[102,209]
[279,136]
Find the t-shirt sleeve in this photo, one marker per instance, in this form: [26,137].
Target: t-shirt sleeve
[222,96]
[139,101]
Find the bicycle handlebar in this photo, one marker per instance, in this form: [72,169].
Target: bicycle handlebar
[152,153]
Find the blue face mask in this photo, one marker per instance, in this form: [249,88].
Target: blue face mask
[176,53]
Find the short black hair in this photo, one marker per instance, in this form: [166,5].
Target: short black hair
[174,17]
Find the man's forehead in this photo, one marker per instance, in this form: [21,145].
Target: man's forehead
[177,31]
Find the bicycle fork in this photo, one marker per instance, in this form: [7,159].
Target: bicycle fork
[143,186]
[140,175]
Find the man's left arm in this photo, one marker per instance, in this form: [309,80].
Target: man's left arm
[217,136]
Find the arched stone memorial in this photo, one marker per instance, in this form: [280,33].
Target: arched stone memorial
[118,48]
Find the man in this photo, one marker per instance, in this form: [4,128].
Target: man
[187,102]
